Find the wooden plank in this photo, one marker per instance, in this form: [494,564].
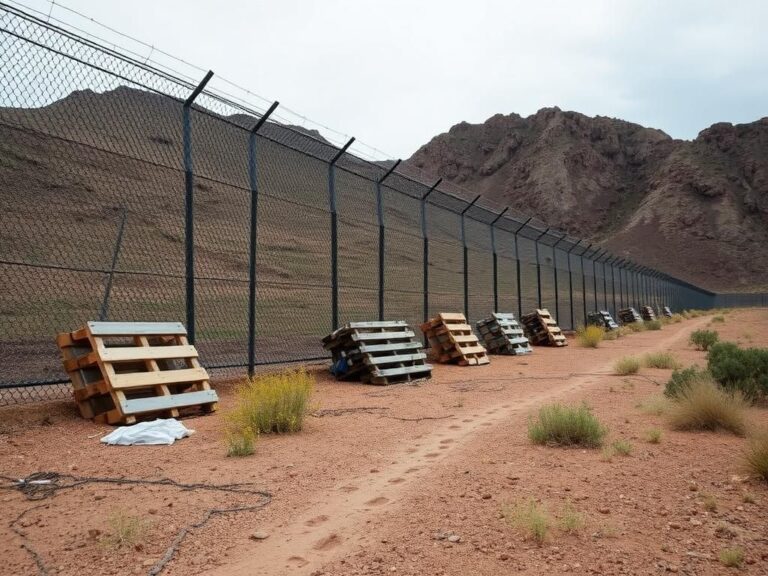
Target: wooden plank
[125,354]
[404,370]
[136,328]
[452,316]
[472,350]
[376,360]
[382,335]
[144,379]
[372,348]
[459,338]
[378,324]
[140,405]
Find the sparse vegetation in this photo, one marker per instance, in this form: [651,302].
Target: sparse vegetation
[560,425]
[677,318]
[740,369]
[748,498]
[627,365]
[655,405]
[756,455]
[240,441]
[710,503]
[622,447]
[664,360]
[530,517]
[718,318]
[590,336]
[636,326]
[702,405]
[703,339]
[653,325]
[653,436]
[731,557]
[571,520]
[125,530]
[276,403]
[680,380]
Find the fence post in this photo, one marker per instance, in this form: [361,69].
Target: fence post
[597,255]
[189,206]
[517,261]
[495,261]
[254,186]
[425,238]
[570,284]
[538,266]
[605,284]
[613,286]
[466,262]
[584,282]
[380,216]
[554,271]
[115,255]
[335,235]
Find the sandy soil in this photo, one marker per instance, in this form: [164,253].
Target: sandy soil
[381,488]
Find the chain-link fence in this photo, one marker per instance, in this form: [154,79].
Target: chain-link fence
[129,194]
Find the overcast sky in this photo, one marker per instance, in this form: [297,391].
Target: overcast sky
[396,73]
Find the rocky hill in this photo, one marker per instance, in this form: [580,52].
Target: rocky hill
[697,209]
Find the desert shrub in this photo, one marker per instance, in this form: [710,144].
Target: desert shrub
[623,331]
[627,365]
[653,436]
[731,557]
[560,425]
[611,335]
[654,405]
[680,379]
[756,455]
[703,339]
[529,517]
[664,360]
[710,503]
[125,530]
[622,447]
[677,318]
[740,369]
[240,441]
[653,325]
[590,336]
[636,326]
[274,403]
[571,520]
[703,405]
[718,318]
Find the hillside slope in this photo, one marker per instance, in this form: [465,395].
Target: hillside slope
[697,209]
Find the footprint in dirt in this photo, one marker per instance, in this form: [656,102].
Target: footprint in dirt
[348,489]
[432,455]
[378,501]
[468,420]
[411,450]
[396,480]
[297,562]
[330,541]
[447,441]
[411,470]
[454,427]
[316,520]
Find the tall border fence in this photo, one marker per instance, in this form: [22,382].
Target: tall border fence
[127,193]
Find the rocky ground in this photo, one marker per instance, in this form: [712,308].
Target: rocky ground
[408,479]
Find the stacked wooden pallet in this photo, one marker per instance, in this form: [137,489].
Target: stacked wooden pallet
[501,334]
[542,330]
[452,340]
[647,313]
[379,352]
[629,315]
[124,370]
[603,319]
[665,310]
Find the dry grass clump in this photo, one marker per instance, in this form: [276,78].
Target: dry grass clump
[125,530]
[571,520]
[664,360]
[636,326]
[530,517]
[718,318]
[240,442]
[756,455]
[275,403]
[560,425]
[703,405]
[653,325]
[590,336]
[655,405]
[731,557]
[627,365]
[653,436]
[622,447]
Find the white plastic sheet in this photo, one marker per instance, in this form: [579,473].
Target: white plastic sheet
[160,431]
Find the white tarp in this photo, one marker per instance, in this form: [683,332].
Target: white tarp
[160,431]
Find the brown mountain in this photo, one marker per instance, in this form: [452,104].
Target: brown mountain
[696,209]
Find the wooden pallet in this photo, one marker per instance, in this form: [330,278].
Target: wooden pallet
[453,341]
[647,313]
[666,311]
[124,370]
[629,316]
[603,319]
[542,329]
[502,334]
[380,352]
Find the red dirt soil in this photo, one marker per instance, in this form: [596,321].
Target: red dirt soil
[379,490]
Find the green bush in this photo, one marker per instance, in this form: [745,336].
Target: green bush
[529,517]
[703,339]
[627,365]
[664,360]
[653,325]
[703,405]
[559,425]
[740,369]
[756,455]
[681,379]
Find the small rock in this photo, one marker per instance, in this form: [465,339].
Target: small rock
[94,533]
[486,496]
[454,538]
[152,510]
[672,568]
[259,535]
[99,497]
[695,522]
[603,510]
[675,525]
[503,557]
[147,563]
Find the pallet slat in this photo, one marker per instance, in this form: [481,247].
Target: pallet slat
[453,340]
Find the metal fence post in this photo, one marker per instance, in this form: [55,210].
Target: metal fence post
[425,238]
[495,260]
[584,281]
[595,257]
[554,271]
[104,313]
[189,206]
[335,234]
[466,261]
[254,186]
[613,285]
[380,217]
[517,261]
[570,284]
[538,267]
